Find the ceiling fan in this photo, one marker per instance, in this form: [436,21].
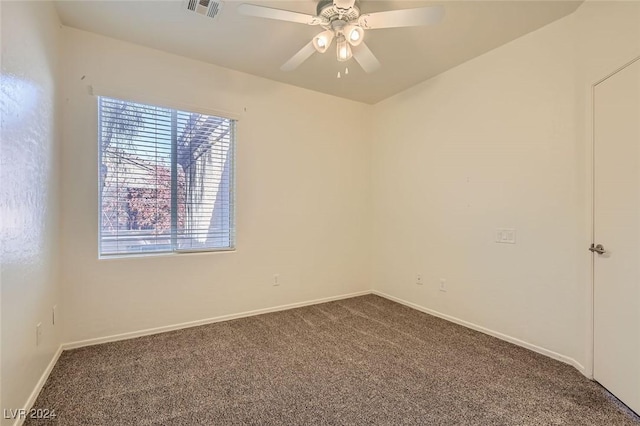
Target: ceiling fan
[343,21]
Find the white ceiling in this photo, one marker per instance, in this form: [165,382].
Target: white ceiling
[260,46]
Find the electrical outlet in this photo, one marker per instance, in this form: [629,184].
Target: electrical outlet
[53,314]
[38,333]
[276,280]
[419,279]
[443,284]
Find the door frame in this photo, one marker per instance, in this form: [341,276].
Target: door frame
[589,367]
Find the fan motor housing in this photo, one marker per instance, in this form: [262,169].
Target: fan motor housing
[327,10]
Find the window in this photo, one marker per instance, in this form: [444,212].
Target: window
[166,179]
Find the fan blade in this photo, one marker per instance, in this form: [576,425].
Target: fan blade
[297,59]
[365,57]
[402,18]
[282,15]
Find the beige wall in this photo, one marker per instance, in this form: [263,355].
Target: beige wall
[28,196]
[499,142]
[302,196]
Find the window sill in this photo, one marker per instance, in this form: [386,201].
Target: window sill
[165,254]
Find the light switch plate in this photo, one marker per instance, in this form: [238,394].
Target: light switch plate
[506,236]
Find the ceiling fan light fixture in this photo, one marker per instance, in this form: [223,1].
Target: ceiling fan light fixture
[354,34]
[323,40]
[344,50]
[343,20]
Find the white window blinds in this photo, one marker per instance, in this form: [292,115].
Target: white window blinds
[166,179]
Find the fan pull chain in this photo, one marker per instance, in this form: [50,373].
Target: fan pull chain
[346,72]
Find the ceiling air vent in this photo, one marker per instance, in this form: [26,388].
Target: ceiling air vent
[210,8]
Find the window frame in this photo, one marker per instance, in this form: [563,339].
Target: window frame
[233,118]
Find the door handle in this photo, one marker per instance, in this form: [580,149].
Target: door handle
[597,248]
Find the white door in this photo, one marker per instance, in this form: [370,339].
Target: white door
[616,362]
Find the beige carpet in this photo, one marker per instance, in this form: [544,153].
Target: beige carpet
[364,360]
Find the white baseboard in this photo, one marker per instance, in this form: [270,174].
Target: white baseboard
[43,379]
[157,330]
[501,336]
[151,331]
